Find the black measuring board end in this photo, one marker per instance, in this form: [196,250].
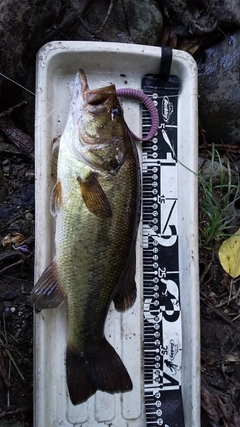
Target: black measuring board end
[163,79]
[158,82]
[166,62]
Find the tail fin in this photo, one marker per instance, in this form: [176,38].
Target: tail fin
[98,369]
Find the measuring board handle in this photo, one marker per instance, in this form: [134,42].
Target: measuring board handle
[161,281]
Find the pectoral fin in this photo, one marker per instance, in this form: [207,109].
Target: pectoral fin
[56,198]
[94,197]
[47,293]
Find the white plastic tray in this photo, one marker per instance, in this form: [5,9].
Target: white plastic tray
[105,63]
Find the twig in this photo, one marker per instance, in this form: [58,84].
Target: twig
[4,330]
[11,265]
[233,348]
[5,413]
[11,359]
[60,32]
[106,18]
[9,362]
[205,271]
[11,109]
[230,148]
[228,299]
[230,291]
[235,318]
[3,372]
[126,20]
[9,376]
[218,312]
[10,347]
[15,365]
[94,33]
[202,134]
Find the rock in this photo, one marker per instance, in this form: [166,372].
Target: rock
[144,21]
[19,138]
[3,186]
[2,308]
[219,96]
[9,295]
[30,175]
[6,423]
[40,21]
[29,216]
[2,386]
[6,166]
[7,304]
[6,149]
[202,16]
[217,174]
[7,312]
[127,21]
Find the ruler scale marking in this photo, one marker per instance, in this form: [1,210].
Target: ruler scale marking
[161,285]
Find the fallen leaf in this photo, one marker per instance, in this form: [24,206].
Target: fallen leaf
[13,238]
[209,404]
[229,255]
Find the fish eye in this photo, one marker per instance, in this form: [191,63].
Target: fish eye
[116,112]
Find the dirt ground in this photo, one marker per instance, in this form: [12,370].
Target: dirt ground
[220,340]
[16,281]
[220,311]
[219,301]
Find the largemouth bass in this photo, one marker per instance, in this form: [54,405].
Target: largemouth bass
[96,200]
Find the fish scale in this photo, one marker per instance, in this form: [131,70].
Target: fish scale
[96,266]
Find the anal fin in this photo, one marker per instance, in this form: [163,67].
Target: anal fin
[47,293]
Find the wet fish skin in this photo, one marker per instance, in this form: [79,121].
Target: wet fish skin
[97,203]
[102,140]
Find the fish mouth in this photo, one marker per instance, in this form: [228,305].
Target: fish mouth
[91,100]
[101,96]
[81,82]
[87,106]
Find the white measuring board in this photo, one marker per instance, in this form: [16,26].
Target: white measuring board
[124,65]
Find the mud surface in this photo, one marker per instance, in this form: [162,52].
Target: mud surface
[16,281]
[220,310]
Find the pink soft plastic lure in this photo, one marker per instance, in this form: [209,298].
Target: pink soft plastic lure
[138,95]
